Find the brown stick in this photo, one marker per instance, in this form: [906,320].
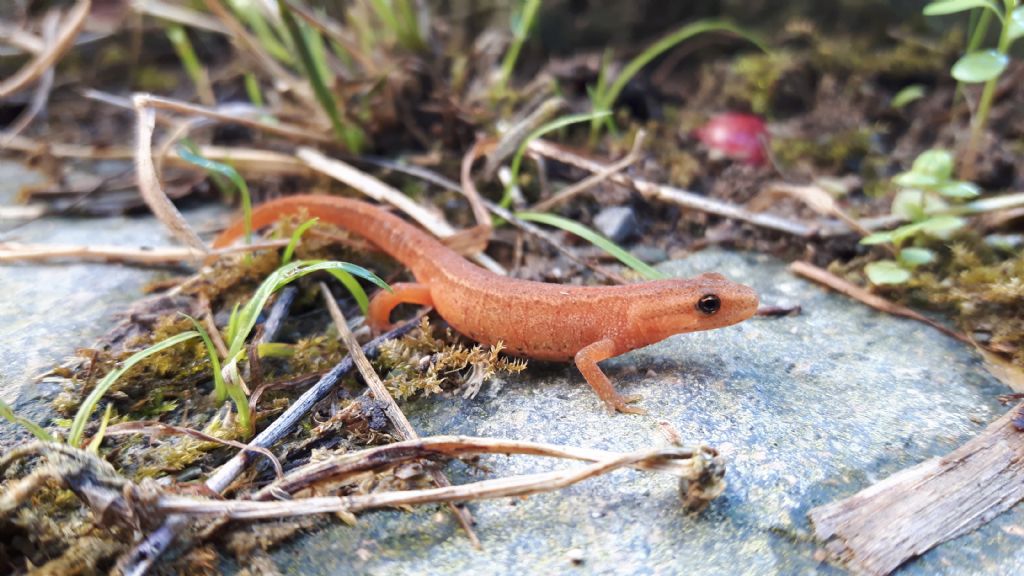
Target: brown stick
[395,414]
[836,283]
[907,514]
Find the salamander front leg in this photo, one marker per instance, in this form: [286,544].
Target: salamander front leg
[586,361]
[379,314]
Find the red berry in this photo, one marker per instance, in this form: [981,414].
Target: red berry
[738,136]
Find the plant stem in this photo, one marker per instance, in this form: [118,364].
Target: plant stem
[529,14]
[968,165]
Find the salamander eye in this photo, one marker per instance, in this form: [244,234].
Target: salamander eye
[709,304]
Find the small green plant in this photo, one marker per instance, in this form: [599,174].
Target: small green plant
[188,152]
[603,95]
[522,23]
[594,238]
[926,191]
[982,66]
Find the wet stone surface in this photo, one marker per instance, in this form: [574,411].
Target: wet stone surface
[807,409]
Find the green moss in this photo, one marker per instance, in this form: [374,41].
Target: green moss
[753,78]
[421,363]
[829,151]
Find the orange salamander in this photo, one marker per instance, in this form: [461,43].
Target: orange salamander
[585,324]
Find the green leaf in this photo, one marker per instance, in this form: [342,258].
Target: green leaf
[907,95]
[886,272]
[913,257]
[936,163]
[877,238]
[943,7]
[978,67]
[1015,27]
[89,404]
[220,389]
[960,189]
[913,204]
[905,232]
[941,226]
[915,180]
[35,429]
[594,238]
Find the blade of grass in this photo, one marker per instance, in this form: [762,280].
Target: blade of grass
[187,54]
[224,170]
[556,124]
[289,251]
[607,97]
[354,287]
[89,404]
[97,439]
[594,238]
[279,278]
[220,389]
[522,31]
[349,133]
[38,431]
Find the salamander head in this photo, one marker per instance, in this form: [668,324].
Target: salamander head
[676,306]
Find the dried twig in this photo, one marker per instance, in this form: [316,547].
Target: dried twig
[50,23]
[514,136]
[596,178]
[157,428]
[149,180]
[907,514]
[381,394]
[179,15]
[344,466]
[672,195]
[17,252]
[381,192]
[52,52]
[836,283]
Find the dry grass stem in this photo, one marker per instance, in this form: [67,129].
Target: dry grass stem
[47,58]
[595,178]
[380,393]
[17,252]
[826,278]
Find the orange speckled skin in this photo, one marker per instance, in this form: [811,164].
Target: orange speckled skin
[532,319]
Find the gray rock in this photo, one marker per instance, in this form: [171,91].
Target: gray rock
[807,409]
[616,222]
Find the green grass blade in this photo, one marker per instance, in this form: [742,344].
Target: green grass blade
[350,134]
[277,280]
[353,286]
[609,96]
[94,446]
[213,167]
[187,54]
[38,431]
[556,124]
[89,404]
[289,251]
[521,33]
[594,238]
[252,89]
[220,389]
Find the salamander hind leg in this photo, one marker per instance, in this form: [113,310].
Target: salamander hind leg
[379,315]
[586,361]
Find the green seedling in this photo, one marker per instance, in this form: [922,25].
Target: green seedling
[924,199]
[38,431]
[522,23]
[603,95]
[982,66]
